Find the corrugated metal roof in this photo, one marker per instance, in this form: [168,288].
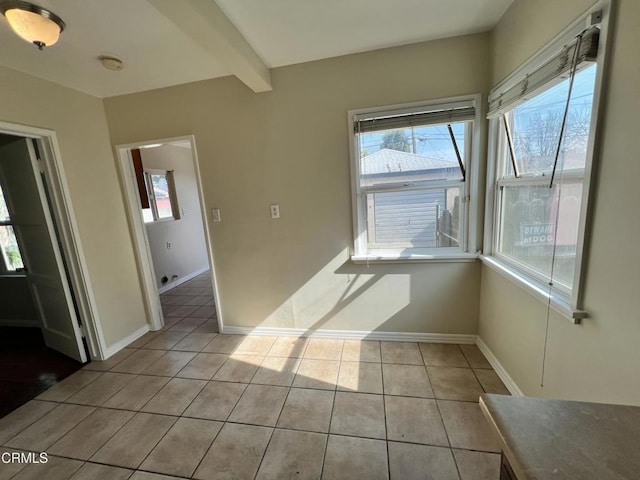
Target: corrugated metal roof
[394,161]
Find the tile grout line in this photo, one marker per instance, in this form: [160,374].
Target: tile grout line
[273,429]
[181,415]
[133,470]
[446,432]
[32,423]
[114,393]
[105,442]
[277,420]
[384,412]
[215,437]
[164,386]
[75,392]
[292,430]
[233,408]
[115,433]
[176,375]
[463,355]
[264,384]
[113,369]
[177,418]
[333,406]
[63,434]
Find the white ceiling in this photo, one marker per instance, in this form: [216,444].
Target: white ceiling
[284,32]
[159,53]
[155,52]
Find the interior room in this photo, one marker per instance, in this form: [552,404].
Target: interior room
[321,239]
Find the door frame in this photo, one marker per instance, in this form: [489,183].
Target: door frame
[69,236]
[139,236]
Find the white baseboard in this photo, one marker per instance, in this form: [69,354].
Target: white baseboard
[183,279]
[9,322]
[500,370]
[354,334]
[116,347]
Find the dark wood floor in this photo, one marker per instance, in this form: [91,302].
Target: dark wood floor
[28,367]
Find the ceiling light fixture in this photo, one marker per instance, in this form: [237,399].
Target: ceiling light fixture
[33,23]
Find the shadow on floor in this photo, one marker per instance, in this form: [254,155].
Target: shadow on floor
[28,367]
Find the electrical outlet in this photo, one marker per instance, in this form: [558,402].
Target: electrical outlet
[168,245]
[275,211]
[215,214]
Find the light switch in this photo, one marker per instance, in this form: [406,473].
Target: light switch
[275,211]
[168,245]
[215,214]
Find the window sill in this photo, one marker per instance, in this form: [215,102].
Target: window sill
[535,288]
[415,258]
[161,220]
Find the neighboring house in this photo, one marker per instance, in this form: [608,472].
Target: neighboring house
[405,167]
[390,221]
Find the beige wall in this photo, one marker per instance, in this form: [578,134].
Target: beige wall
[80,124]
[600,359]
[290,146]
[526,27]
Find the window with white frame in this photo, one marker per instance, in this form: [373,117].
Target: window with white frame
[543,125]
[410,179]
[161,192]
[10,257]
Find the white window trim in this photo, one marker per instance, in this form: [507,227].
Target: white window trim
[534,287]
[570,306]
[360,253]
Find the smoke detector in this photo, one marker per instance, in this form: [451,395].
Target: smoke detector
[111,63]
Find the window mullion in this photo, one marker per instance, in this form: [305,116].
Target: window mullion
[539,180]
[399,187]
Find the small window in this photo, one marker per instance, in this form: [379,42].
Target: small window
[10,258]
[162,197]
[411,185]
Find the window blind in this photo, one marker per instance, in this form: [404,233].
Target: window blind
[504,98]
[437,114]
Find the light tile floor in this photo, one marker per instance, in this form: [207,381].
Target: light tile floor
[252,407]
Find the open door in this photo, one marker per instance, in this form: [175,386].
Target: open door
[26,196]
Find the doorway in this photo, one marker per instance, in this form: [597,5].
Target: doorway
[46,324]
[163,193]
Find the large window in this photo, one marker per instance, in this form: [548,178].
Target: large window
[411,179]
[543,132]
[10,257]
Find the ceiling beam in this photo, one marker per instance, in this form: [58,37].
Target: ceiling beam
[206,23]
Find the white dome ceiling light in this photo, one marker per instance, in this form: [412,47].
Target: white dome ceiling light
[33,23]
